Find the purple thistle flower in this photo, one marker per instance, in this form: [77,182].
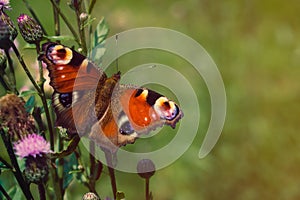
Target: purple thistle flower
[32,145]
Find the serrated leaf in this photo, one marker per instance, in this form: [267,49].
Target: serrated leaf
[100,33]
[30,103]
[97,54]
[27,93]
[60,37]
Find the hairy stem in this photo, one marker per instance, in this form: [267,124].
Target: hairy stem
[12,76]
[111,170]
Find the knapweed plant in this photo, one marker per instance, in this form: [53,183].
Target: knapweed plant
[33,150]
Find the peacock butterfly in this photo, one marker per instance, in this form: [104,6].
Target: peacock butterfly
[87,102]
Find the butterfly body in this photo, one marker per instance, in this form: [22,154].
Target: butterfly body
[87,102]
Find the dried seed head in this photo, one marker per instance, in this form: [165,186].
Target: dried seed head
[145,168]
[30,30]
[14,116]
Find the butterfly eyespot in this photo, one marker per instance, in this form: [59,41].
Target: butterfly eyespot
[59,54]
[65,99]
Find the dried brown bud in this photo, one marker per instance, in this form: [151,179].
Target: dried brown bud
[14,116]
[145,168]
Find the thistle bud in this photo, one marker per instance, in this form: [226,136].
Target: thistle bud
[146,168]
[83,17]
[30,30]
[36,169]
[90,196]
[74,4]
[4,4]
[8,31]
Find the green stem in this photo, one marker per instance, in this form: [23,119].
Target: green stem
[42,191]
[56,20]
[70,148]
[81,33]
[61,164]
[17,172]
[4,193]
[41,70]
[25,68]
[147,189]
[111,170]
[44,101]
[66,21]
[92,166]
[12,76]
[55,180]
[92,4]
[4,84]
[34,15]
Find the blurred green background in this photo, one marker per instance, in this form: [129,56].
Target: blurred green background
[256,46]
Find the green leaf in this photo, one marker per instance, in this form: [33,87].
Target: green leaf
[120,195]
[60,37]
[15,192]
[98,43]
[70,164]
[27,93]
[30,104]
[100,33]
[29,46]
[3,167]
[88,22]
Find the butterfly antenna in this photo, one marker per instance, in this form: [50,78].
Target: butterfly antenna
[117,58]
